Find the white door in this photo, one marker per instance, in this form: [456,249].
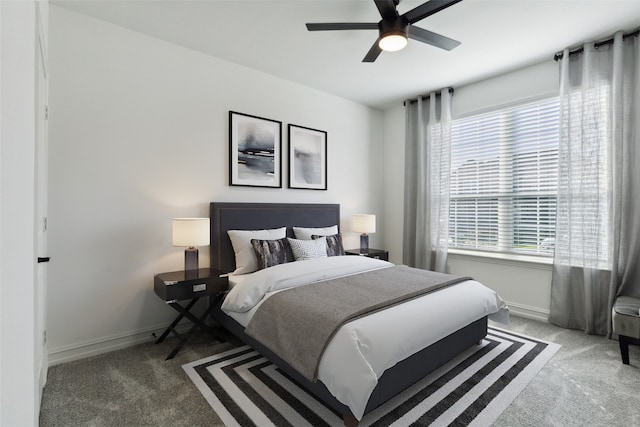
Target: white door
[42,154]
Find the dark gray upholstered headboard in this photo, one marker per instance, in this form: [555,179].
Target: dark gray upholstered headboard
[258,216]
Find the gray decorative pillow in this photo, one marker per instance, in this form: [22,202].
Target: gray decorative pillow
[334,244]
[272,252]
[308,249]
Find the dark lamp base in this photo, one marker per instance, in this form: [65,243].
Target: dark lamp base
[191,259]
[364,243]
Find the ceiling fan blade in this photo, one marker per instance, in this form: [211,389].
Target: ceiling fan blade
[342,26]
[434,39]
[373,53]
[387,9]
[428,9]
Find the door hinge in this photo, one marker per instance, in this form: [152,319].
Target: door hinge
[44,224]
[46,112]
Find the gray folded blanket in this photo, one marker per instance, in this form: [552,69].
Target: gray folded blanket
[297,324]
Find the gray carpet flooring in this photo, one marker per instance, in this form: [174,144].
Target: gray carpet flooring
[584,384]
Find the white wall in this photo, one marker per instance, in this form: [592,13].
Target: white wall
[525,286]
[537,80]
[139,135]
[394,182]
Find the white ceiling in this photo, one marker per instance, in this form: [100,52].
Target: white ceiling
[269,35]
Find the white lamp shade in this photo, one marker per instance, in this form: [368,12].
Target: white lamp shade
[191,232]
[364,223]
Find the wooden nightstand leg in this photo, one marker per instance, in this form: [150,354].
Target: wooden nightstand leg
[182,342]
[198,322]
[186,313]
[176,321]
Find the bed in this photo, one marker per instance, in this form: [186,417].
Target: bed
[386,381]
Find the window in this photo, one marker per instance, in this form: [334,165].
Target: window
[504,174]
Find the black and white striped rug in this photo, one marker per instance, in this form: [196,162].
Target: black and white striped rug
[245,389]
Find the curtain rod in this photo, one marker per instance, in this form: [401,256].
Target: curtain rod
[558,56]
[411,101]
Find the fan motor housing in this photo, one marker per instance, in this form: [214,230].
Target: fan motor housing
[397,26]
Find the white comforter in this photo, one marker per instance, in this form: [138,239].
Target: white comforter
[363,349]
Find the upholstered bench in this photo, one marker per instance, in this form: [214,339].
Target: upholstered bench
[626,323]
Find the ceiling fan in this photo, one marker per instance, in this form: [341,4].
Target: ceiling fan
[394,29]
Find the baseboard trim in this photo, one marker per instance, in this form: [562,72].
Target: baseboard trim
[529,312]
[98,346]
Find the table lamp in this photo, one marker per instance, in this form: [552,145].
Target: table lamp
[191,232]
[365,224]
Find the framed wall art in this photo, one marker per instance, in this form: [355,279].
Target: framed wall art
[255,146]
[307,158]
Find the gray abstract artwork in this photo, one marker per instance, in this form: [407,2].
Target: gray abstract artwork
[308,165]
[256,151]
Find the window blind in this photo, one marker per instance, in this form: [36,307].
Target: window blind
[504,175]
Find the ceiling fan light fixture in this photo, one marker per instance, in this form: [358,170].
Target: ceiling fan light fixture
[395,29]
[392,42]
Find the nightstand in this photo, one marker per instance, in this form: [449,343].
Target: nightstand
[190,285]
[371,253]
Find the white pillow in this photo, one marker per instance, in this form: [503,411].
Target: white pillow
[246,261]
[308,249]
[305,233]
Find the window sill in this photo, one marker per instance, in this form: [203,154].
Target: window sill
[501,258]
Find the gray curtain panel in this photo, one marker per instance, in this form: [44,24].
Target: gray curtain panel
[597,251]
[426,182]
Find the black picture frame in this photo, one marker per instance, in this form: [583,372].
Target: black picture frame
[307,158]
[255,151]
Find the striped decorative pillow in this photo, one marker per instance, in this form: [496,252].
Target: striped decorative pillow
[334,244]
[308,249]
[272,252]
